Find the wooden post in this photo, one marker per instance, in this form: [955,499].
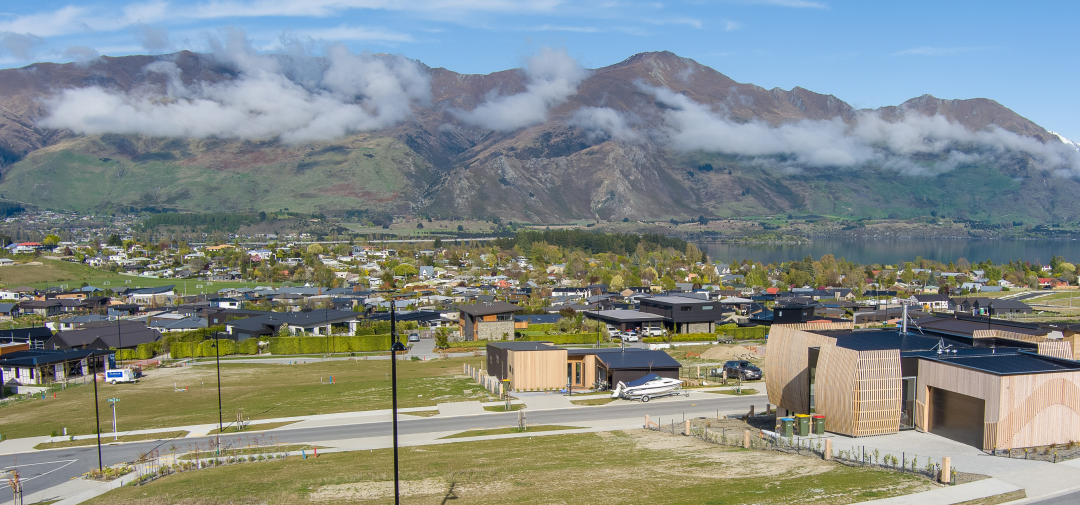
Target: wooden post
[686,430]
[768,408]
[646,421]
[828,449]
[751,413]
[699,371]
[725,376]
[746,439]
[946,470]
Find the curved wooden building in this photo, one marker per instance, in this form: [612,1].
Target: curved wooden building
[1001,388]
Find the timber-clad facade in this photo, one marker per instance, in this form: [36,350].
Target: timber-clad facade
[975,390]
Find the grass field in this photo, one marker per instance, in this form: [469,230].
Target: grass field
[260,391]
[56,273]
[576,468]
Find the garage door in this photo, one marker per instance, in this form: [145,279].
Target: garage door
[957,417]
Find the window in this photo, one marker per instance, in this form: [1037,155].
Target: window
[685,308]
[706,307]
[504,317]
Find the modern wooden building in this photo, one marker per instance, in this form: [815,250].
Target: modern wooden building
[995,388]
[540,366]
[487,320]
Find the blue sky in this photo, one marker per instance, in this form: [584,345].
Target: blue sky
[869,54]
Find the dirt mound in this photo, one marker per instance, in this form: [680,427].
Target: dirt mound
[725,352]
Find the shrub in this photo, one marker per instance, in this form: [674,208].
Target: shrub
[688,337]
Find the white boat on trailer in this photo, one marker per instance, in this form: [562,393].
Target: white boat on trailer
[647,387]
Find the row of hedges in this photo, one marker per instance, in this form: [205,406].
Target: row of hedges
[143,351]
[317,345]
[383,328]
[468,343]
[205,349]
[749,333]
[687,337]
[574,338]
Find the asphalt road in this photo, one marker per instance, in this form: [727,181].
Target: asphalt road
[44,469]
[1066,499]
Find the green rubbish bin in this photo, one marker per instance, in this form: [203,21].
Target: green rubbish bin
[786,424]
[819,424]
[802,425]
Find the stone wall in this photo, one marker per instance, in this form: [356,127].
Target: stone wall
[696,328]
[494,330]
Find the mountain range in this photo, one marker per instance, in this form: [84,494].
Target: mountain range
[653,137]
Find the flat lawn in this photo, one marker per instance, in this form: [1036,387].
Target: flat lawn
[108,439]
[508,431]
[261,391]
[54,273]
[502,408]
[577,468]
[745,391]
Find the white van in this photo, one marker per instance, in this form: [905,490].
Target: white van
[120,375]
[652,332]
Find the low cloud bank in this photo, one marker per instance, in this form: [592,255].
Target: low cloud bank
[296,97]
[553,78]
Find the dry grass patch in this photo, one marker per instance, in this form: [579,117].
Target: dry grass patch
[666,469]
[252,427]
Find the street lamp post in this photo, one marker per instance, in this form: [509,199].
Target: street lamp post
[112,403]
[217,360]
[395,347]
[97,415]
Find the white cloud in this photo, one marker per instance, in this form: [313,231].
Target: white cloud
[20,45]
[80,54]
[868,140]
[153,39]
[605,122]
[553,78]
[297,99]
[62,21]
[730,26]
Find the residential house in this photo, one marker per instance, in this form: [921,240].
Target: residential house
[487,320]
[931,303]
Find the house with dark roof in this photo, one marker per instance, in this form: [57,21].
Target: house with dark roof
[487,321]
[315,322]
[541,366]
[104,335]
[37,366]
[931,303]
[35,336]
[684,314]
[992,306]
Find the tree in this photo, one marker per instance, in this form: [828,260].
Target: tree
[51,240]
[756,278]
[114,241]
[405,270]
[617,283]
[315,249]
[460,228]
[419,226]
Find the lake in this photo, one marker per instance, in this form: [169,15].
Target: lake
[896,250]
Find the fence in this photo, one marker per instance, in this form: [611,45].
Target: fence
[491,384]
[820,447]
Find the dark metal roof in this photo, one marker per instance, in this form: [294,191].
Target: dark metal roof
[1003,363]
[966,326]
[488,308]
[880,340]
[25,334]
[40,357]
[635,358]
[623,316]
[539,318]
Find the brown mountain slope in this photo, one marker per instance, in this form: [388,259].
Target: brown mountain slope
[434,162]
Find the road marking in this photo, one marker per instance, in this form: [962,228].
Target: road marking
[65,461]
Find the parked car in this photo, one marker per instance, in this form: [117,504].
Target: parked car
[739,368]
[414,337]
[629,336]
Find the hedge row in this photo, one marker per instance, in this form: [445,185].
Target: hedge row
[686,337]
[383,328]
[205,349]
[575,338]
[143,351]
[750,333]
[341,343]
